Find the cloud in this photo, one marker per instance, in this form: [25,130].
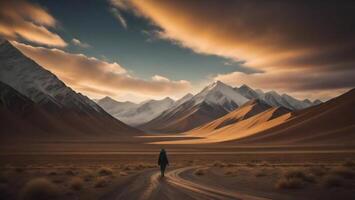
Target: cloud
[78,43]
[119,17]
[280,38]
[93,76]
[29,21]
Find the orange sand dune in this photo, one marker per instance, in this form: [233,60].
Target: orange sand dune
[332,122]
[221,130]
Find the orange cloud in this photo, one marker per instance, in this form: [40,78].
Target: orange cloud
[29,21]
[284,39]
[98,78]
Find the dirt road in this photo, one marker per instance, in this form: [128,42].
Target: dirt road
[149,185]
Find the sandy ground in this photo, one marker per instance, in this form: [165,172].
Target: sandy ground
[192,175]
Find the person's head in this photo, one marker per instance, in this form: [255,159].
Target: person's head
[162,150]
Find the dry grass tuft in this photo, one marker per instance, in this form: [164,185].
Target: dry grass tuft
[105,171]
[349,163]
[70,172]
[343,172]
[265,164]
[290,183]
[52,173]
[76,183]
[101,182]
[19,169]
[200,171]
[300,174]
[231,173]
[294,179]
[318,171]
[250,164]
[219,164]
[40,189]
[332,181]
[261,173]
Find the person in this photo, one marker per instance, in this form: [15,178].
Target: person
[163,161]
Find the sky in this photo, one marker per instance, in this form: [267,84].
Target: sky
[136,50]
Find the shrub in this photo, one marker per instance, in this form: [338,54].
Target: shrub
[349,163]
[343,172]
[40,189]
[265,164]
[318,171]
[299,174]
[231,173]
[200,171]
[219,164]
[261,173]
[105,171]
[290,183]
[19,169]
[331,181]
[250,164]
[70,172]
[76,183]
[52,173]
[101,182]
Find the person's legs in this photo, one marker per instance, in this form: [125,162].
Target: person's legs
[162,170]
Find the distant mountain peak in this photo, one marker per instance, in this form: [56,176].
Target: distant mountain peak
[244,86]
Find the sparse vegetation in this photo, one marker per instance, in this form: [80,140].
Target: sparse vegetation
[52,173]
[70,172]
[101,182]
[219,164]
[343,172]
[40,189]
[300,174]
[261,173]
[200,171]
[231,172]
[264,164]
[19,169]
[105,171]
[331,181]
[349,163]
[294,179]
[290,183]
[76,183]
[318,171]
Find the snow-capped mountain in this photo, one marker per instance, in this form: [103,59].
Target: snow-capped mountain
[247,92]
[220,94]
[212,102]
[274,99]
[38,84]
[135,114]
[115,107]
[52,95]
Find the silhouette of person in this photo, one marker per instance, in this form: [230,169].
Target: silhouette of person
[163,161]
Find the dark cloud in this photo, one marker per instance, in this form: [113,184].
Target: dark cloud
[277,36]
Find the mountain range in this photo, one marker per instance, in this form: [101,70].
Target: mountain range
[35,98]
[191,111]
[34,103]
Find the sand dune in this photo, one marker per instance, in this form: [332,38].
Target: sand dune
[219,130]
[332,122]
